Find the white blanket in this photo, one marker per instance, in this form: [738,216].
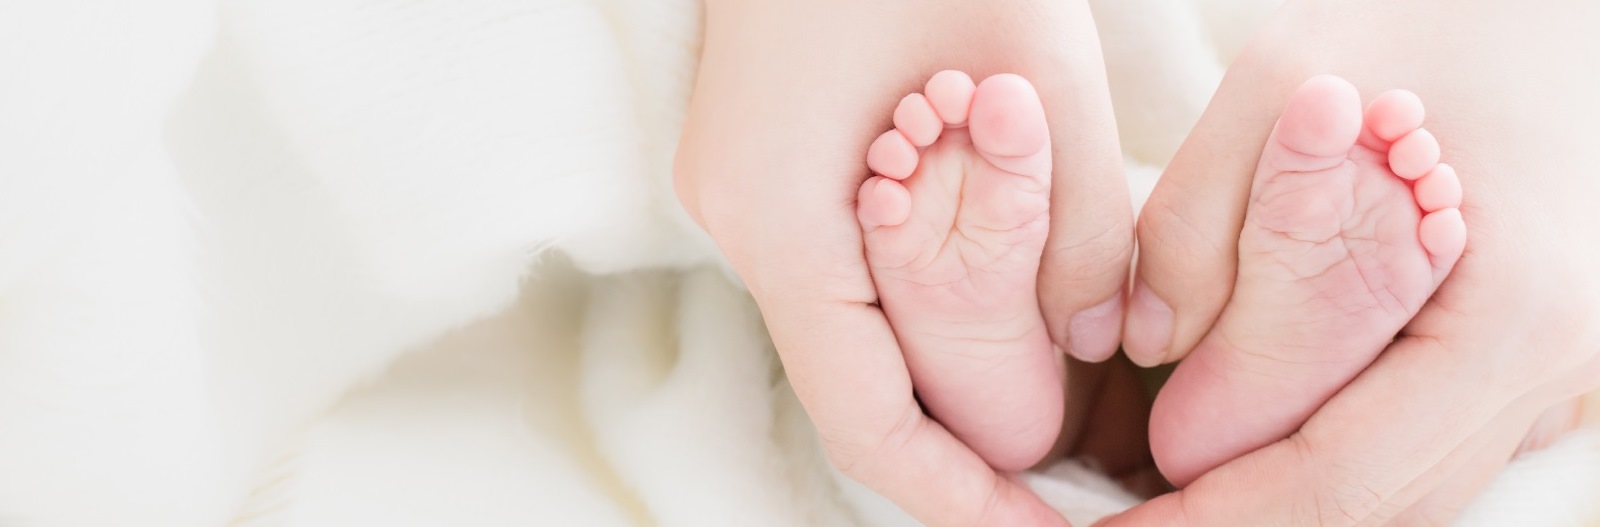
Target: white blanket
[217,218]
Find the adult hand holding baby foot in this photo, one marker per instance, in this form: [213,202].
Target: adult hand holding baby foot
[1514,332]
[773,159]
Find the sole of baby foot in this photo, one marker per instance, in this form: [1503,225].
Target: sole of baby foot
[1351,226]
[954,222]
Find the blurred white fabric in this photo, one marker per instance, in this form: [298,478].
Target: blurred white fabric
[223,224]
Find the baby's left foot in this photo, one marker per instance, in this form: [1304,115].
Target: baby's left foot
[1351,226]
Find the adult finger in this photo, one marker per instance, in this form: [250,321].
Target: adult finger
[1084,272]
[1189,228]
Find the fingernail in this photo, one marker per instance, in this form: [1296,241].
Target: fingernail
[1149,329]
[1092,334]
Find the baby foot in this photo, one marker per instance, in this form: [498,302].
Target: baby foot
[1351,226]
[955,223]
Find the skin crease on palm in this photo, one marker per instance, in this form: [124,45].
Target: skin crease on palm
[1513,332]
[790,94]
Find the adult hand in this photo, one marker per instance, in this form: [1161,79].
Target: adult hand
[789,95]
[1513,332]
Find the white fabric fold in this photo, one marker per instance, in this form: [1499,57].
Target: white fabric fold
[223,226]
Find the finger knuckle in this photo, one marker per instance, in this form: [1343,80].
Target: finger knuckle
[1347,500]
[1163,229]
[856,451]
[1099,256]
[1341,498]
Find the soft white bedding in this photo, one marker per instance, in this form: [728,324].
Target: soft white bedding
[219,218]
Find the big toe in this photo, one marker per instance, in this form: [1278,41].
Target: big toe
[1322,119]
[1008,126]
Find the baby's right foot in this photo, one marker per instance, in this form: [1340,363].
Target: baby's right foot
[955,223]
[1352,224]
